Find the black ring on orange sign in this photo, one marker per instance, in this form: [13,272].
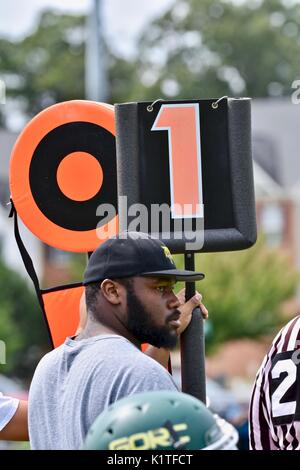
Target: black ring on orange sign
[61,141]
[58,131]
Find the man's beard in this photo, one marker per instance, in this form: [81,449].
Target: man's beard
[141,325]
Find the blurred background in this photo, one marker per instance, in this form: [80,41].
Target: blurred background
[116,51]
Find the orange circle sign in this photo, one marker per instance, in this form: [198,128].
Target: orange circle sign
[63,166]
[76,168]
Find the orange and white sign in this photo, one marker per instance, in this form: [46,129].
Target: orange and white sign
[182,121]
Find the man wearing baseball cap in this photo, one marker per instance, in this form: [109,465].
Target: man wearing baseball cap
[129,283]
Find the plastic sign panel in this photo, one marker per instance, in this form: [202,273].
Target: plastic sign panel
[185,172]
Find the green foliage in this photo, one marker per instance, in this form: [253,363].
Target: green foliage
[77,266]
[48,66]
[244,292]
[197,49]
[213,48]
[22,327]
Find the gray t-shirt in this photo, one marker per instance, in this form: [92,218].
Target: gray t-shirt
[74,383]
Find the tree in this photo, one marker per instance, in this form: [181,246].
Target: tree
[22,327]
[244,292]
[197,49]
[46,67]
[215,48]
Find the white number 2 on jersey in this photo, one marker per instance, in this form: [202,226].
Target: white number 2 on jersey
[280,408]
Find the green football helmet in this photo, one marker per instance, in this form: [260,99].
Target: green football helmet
[161,420]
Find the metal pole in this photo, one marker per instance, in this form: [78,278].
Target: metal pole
[96,84]
[192,345]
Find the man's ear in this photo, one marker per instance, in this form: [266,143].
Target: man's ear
[112,291]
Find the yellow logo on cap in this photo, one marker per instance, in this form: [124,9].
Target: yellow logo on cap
[168,254]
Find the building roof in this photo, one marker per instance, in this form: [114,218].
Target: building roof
[275,130]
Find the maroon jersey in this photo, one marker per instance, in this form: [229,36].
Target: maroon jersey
[274,420]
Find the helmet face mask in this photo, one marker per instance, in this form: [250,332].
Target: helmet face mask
[161,420]
[229,438]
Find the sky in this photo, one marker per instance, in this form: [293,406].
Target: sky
[123,19]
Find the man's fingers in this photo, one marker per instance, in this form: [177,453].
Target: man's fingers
[181,297]
[204,311]
[197,299]
[186,310]
[193,302]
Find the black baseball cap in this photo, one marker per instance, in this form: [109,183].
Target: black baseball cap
[134,254]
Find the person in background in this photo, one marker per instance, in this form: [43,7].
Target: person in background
[274,415]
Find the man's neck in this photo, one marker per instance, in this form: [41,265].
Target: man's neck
[95,328]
